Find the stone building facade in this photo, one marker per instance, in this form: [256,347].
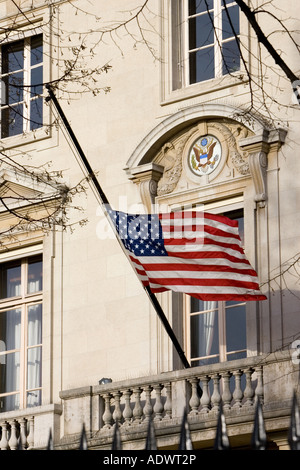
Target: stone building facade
[73,312]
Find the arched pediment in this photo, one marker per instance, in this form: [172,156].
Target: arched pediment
[183,119]
[167,155]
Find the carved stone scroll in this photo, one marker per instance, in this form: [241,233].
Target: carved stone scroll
[147,177]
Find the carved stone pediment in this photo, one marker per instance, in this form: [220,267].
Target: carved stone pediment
[198,152]
[19,190]
[174,155]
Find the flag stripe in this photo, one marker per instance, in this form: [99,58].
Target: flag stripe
[186,242]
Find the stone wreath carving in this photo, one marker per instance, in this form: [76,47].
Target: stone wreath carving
[232,133]
[172,158]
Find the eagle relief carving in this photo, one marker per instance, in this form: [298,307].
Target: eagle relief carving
[205,155]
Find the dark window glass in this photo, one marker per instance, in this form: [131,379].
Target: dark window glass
[231,57]
[36,81]
[10,280]
[13,57]
[36,113]
[202,65]
[13,87]
[12,121]
[234,15]
[236,327]
[201,32]
[199,6]
[36,49]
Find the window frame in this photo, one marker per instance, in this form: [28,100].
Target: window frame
[24,302]
[215,16]
[28,98]
[174,64]
[220,310]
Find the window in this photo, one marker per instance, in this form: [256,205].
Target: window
[21,86]
[20,333]
[205,40]
[217,330]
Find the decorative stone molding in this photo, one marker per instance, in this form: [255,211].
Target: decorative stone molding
[232,134]
[147,177]
[160,162]
[258,148]
[172,155]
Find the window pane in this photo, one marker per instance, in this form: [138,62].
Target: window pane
[13,88]
[34,398]
[35,276]
[236,328]
[36,49]
[13,57]
[199,6]
[231,57]
[10,280]
[234,356]
[10,403]
[201,32]
[36,81]
[202,65]
[10,373]
[12,121]
[204,334]
[36,113]
[10,330]
[198,305]
[34,324]
[234,15]
[34,366]
[205,362]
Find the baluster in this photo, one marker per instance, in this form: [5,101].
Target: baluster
[23,435]
[127,413]
[148,406]
[4,438]
[205,399]
[259,391]
[168,404]
[117,413]
[158,406]
[137,410]
[249,393]
[227,395]
[13,440]
[216,397]
[237,394]
[30,436]
[107,416]
[194,400]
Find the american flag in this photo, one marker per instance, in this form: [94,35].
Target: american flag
[192,252]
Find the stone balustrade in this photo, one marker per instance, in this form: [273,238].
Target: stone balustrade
[17,434]
[234,387]
[163,398]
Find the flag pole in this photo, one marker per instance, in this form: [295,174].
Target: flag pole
[105,202]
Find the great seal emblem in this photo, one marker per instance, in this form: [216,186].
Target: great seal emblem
[205,155]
